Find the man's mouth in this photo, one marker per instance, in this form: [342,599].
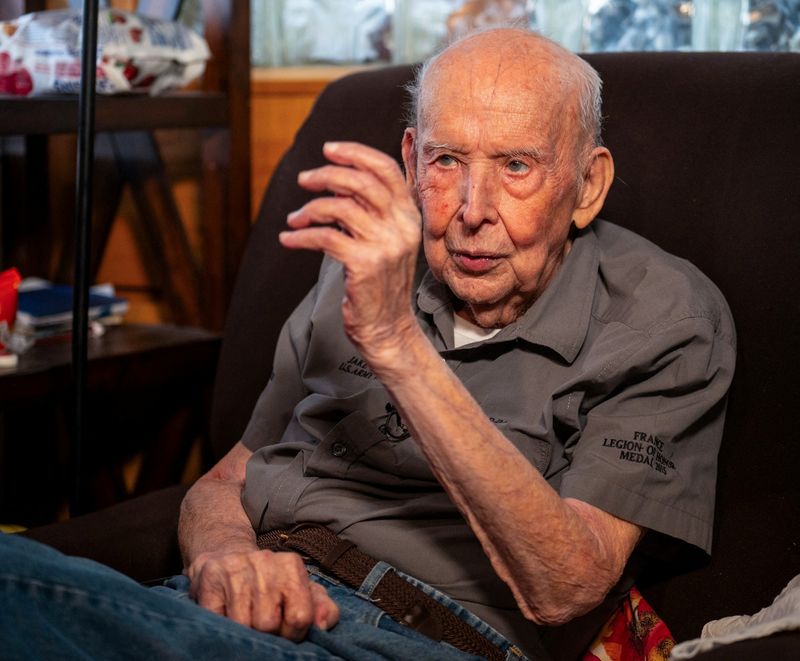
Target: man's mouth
[475,262]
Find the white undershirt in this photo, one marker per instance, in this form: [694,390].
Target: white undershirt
[465,332]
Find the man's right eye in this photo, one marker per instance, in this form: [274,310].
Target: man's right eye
[445,160]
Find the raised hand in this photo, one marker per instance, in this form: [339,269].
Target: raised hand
[372,226]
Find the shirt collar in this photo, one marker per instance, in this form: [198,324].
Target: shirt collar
[559,319]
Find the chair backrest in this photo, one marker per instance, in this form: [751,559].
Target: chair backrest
[706,148]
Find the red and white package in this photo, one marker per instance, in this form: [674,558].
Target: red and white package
[40,53]
[9,284]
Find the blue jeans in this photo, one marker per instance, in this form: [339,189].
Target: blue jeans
[58,607]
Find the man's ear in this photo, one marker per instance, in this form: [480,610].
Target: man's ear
[409,149]
[596,181]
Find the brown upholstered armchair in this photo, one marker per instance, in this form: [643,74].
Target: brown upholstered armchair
[706,148]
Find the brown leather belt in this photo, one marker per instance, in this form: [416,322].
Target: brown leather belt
[398,598]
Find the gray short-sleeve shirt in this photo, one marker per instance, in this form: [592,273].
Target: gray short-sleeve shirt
[612,384]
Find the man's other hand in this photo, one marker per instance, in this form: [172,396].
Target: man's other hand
[267,591]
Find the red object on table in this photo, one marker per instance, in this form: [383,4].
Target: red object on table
[9,284]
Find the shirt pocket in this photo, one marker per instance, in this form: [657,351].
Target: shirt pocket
[355,449]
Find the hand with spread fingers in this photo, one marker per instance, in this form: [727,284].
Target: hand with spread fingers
[372,226]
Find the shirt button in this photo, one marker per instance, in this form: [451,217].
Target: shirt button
[338,449]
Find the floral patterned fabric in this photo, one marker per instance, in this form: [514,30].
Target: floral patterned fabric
[633,633]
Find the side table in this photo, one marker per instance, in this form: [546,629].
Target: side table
[148,386]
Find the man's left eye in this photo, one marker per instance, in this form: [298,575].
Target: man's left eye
[517,167]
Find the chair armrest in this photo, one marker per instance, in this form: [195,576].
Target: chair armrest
[137,537]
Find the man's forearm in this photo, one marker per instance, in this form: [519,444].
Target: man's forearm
[552,556]
[212,517]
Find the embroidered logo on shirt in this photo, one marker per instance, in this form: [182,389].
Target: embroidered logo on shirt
[643,449]
[357,367]
[393,427]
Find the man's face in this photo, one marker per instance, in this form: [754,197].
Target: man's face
[494,164]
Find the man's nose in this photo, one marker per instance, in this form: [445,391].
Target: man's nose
[478,196]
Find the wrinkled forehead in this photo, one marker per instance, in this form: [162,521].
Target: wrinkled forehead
[508,77]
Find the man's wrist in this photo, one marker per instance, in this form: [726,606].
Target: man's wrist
[405,352]
[388,349]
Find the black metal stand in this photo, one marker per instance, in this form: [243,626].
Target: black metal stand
[83,224]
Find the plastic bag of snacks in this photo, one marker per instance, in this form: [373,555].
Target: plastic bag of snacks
[40,53]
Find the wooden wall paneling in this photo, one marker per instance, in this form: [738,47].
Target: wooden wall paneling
[281,98]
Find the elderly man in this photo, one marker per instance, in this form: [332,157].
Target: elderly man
[495,421]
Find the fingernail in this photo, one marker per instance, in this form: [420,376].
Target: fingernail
[303,175]
[331,146]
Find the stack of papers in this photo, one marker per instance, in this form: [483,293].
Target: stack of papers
[45,308]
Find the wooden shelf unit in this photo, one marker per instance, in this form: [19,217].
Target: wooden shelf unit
[135,370]
[49,115]
[219,110]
